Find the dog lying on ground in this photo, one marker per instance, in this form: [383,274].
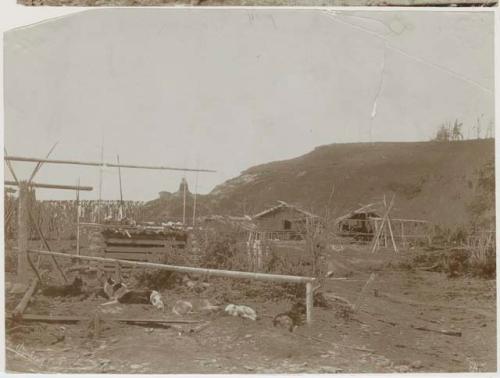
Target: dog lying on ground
[242,311]
[196,286]
[182,307]
[292,318]
[142,297]
[72,290]
[119,293]
[114,289]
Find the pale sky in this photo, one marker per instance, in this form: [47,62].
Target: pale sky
[229,89]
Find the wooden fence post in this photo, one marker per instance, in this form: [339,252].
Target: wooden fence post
[403,237]
[309,302]
[22,234]
[118,272]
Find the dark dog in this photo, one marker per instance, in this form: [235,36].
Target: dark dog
[72,290]
[113,289]
[136,297]
[292,318]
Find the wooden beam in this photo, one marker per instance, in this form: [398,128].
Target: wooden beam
[392,234]
[395,220]
[22,233]
[205,271]
[121,188]
[187,269]
[76,319]
[18,311]
[309,302]
[54,262]
[34,268]
[384,219]
[403,238]
[441,331]
[11,169]
[52,186]
[102,164]
[39,165]
[78,218]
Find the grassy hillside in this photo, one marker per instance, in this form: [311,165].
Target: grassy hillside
[431,180]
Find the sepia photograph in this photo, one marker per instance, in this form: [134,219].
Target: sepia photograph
[289,3]
[250,191]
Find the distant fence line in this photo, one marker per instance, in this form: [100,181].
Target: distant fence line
[57,219]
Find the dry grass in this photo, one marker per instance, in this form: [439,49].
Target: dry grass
[482,259]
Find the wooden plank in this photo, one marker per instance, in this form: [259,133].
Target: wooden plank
[399,220]
[53,260]
[441,331]
[126,249]
[111,268]
[39,164]
[100,164]
[309,302]
[148,242]
[18,311]
[22,233]
[52,186]
[207,272]
[392,235]
[384,219]
[188,269]
[75,319]
[128,256]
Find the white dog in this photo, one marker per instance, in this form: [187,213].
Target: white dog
[241,311]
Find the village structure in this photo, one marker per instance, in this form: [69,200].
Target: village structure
[275,192]
[112,241]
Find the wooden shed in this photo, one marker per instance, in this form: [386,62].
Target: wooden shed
[363,223]
[284,221]
[359,223]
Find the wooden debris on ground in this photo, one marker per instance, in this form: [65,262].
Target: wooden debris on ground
[360,349]
[18,311]
[76,319]
[441,331]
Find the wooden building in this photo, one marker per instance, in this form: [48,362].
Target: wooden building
[362,224]
[283,222]
[359,223]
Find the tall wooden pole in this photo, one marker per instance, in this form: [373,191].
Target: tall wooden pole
[121,190]
[100,186]
[78,218]
[403,238]
[22,233]
[391,233]
[309,302]
[184,202]
[39,164]
[194,204]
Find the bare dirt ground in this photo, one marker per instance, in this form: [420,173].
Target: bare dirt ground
[388,333]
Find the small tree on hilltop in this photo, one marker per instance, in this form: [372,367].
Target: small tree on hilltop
[446,132]
[457,131]
[443,134]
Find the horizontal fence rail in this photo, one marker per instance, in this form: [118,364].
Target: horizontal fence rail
[102,164]
[210,272]
[52,186]
[187,269]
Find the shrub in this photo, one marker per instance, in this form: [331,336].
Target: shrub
[157,279]
[482,258]
[220,252]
